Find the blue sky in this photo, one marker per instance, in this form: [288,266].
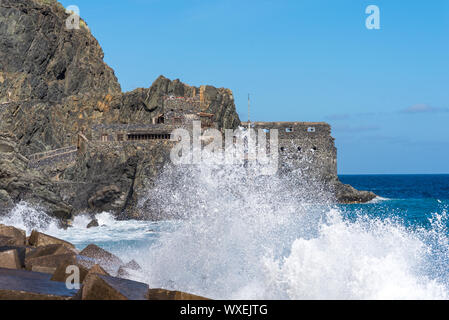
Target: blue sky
[385,92]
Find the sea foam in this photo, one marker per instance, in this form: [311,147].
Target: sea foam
[231,235]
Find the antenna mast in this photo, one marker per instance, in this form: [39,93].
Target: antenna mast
[249,106]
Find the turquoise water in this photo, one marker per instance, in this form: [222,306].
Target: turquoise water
[412,199]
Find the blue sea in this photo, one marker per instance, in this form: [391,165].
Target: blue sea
[413,199]
[234,240]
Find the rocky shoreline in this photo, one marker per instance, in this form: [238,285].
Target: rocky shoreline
[41,267]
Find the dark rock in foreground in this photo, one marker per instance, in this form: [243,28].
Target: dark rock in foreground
[20,255]
[18,236]
[102,287]
[124,271]
[9,259]
[162,294]
[105,259]
[57,259]
[85,268]
[39,239]
[23,285]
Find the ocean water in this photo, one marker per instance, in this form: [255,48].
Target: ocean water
[414,199]
[235,236]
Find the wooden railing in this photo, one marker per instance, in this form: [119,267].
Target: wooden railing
[53,156]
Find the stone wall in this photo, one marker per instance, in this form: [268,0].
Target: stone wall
[183,104]
[305,147]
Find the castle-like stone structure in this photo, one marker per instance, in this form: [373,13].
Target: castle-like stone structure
[307,147]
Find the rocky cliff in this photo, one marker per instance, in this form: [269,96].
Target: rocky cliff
[54,84]
[19,183]
[40,59]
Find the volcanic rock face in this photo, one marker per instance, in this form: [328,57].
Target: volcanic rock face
[348,194]
[115,177]
[40,59]
[19,183]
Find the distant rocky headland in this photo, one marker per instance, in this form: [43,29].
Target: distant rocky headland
[71,141]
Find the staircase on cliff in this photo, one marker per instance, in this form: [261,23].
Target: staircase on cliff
[53,157]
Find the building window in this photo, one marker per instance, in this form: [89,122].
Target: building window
[288,129]
[120,137]
[148,136]
[266,130]
[311,129]
[104,138]
[160,120]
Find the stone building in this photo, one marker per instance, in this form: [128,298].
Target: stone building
[178,112]
[304,146]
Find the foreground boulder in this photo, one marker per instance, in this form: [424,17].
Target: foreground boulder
[49,264]
[18,236]
[39,239]
[47,270]
[7,241]
[24,285]
[101,287]
[105,259]
[126,270]
[9,259]
[84,266]
[47,258]
[49,250]
[162,294]
[21,253]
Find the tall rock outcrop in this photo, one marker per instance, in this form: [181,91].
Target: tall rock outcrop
[40,59]
[54,84]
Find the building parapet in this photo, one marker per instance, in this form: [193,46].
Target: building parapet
[284,124]
[293,130]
